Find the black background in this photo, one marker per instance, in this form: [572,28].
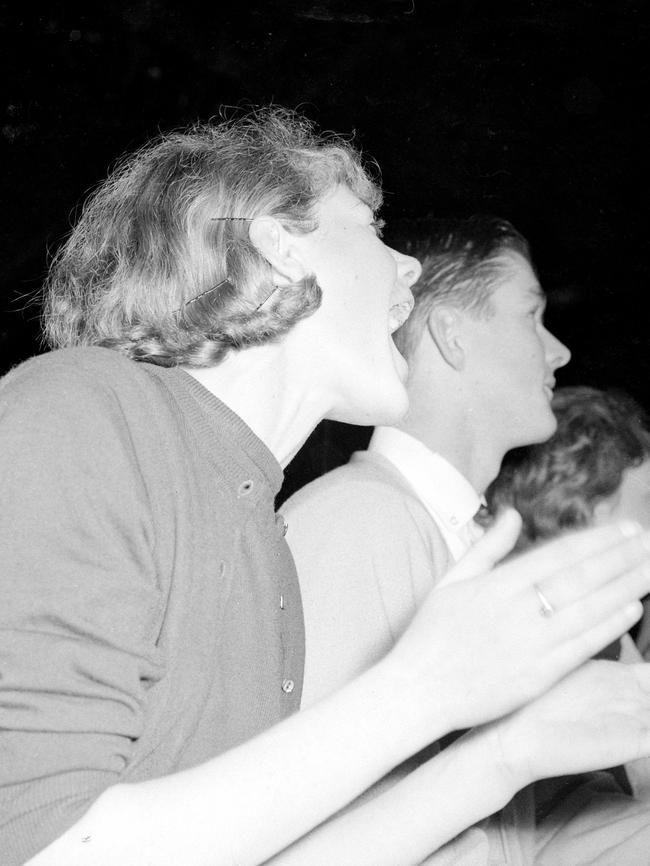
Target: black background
[535,111]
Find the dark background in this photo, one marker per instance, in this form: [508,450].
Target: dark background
[535,111]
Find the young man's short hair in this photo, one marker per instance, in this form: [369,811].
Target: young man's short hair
[462,261]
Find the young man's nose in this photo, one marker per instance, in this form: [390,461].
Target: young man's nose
[557,353]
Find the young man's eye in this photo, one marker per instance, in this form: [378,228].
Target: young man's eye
[378,226]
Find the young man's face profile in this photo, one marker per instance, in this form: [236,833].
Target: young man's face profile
[512,359]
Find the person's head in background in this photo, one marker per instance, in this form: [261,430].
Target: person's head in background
[595,469]
[481,361]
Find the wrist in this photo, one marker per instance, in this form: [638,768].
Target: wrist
[419,714]
[510,754]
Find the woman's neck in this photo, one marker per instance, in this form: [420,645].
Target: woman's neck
[264,387]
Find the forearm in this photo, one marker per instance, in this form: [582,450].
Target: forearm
[417,816]
[244,806]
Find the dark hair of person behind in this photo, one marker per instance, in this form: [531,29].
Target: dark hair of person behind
[556,485]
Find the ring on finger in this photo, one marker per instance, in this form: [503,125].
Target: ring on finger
[546,608]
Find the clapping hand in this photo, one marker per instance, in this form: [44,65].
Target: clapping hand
[495,637]
[597,717]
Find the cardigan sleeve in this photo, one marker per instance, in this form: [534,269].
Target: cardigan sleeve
[80,603]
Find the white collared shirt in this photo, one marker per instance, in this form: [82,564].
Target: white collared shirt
[446,494]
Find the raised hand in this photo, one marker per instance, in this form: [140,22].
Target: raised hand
[494,638]
[597,717]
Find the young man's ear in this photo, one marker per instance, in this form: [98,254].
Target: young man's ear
[280,248]
[444,327]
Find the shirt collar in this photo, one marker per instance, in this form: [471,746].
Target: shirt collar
[443,490]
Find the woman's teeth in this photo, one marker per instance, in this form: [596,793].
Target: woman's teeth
[398,314]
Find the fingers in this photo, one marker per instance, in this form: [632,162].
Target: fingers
[615,595]
[627,559]
[497,542]
[577,564]
[598,716]
[590,622]
[512,653]
[589,641]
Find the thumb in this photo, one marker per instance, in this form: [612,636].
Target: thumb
[497,542]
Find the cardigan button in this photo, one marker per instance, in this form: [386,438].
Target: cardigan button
[245,488]
[288,686]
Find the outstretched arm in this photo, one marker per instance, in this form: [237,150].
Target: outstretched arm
[248,804]
[596,717]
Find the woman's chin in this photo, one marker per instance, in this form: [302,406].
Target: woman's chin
[400,362]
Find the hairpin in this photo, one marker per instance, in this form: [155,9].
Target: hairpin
[225,282]
[203,294]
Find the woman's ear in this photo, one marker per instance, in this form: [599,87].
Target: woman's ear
[445,329]
[280,248]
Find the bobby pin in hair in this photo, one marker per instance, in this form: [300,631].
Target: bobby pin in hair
[225,282]
[243,219]
[206,292]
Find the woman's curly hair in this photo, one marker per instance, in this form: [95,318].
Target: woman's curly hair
[147,241]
